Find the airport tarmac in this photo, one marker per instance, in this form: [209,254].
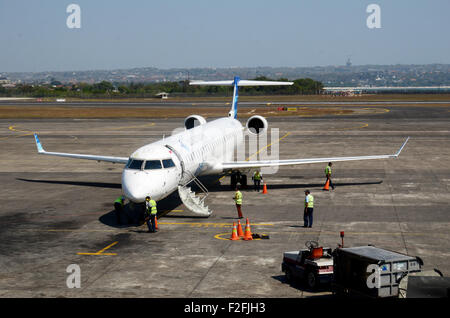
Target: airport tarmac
[57,211]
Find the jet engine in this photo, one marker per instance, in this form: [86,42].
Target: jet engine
[194,121]
[257,125]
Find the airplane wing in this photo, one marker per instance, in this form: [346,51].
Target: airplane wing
[78,156]
[272,163]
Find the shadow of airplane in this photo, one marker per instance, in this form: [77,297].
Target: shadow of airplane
[215,186]
[133,213]
[301,286]
[76,183]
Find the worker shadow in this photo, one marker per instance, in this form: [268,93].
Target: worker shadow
[133,214]
[217,187]
[297,284]
[76,183]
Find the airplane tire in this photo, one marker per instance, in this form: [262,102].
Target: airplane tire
[244,180]
[233,181]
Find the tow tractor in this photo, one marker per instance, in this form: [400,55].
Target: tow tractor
[313,265]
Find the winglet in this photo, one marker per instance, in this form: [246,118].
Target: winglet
[401,148]
[38,144]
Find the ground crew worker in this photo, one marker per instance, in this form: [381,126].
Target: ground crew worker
[328,174]
[257,177]
[309,208]
[238,199]
[150,214]
[118,207]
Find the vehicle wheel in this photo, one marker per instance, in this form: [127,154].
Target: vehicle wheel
[311,280]
[289,276]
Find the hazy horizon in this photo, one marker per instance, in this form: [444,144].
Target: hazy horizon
[175,34]
[230,67]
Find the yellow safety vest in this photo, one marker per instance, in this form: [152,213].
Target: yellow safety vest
[151,205]
[310,202]
[238,197]
[257,176]
[328,170]
[119,200]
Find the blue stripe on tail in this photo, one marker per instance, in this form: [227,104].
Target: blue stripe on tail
[234,107]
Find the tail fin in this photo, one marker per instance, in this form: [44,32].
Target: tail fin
[233,111]
[236,83]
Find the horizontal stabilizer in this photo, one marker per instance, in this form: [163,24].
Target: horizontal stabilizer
[240,83]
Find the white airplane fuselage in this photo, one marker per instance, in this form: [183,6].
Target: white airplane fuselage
[194,152]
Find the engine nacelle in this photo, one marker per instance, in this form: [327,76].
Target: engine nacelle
[257,125]
[194,121]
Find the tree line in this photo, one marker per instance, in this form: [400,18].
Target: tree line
[105,89]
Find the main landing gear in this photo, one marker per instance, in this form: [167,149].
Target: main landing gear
[237,177]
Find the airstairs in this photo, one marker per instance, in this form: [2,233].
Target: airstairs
[193,202]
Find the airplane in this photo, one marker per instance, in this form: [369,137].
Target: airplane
[202,148]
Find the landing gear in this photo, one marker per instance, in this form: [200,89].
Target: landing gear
[237,177]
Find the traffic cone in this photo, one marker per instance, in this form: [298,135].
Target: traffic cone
[248,233]
[234,235]
[156,223]
[327,185]
[264,188]
[240,233]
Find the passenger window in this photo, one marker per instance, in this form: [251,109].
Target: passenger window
[135,164]
[168,163]
[152,165]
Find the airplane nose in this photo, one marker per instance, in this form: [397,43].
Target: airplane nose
[136,186]
[132,193]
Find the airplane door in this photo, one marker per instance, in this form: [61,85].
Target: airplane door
[180,159]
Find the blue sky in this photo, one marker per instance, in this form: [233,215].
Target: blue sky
[199,33]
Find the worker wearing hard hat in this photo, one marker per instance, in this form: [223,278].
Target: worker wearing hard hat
[309,209]
[150,214]
[238,200]
[257,177]
[118,208]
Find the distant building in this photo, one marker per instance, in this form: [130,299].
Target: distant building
[162,95]
[4,80]
[349,63]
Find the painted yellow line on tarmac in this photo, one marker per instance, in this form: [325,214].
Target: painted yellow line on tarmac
[14,129]
[219,237]
[102,250]
[176,211]
[200,224]
[266,147]
[70,230]
[351,128]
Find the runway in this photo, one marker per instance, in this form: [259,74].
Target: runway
[57,211]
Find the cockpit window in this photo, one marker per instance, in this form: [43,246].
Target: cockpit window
[134,164]
[168,163]
[152,165]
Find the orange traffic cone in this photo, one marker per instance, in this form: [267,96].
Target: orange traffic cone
[234,235]
[327,186]
[240,233]
[156,223]
[264,188]
[248,233]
